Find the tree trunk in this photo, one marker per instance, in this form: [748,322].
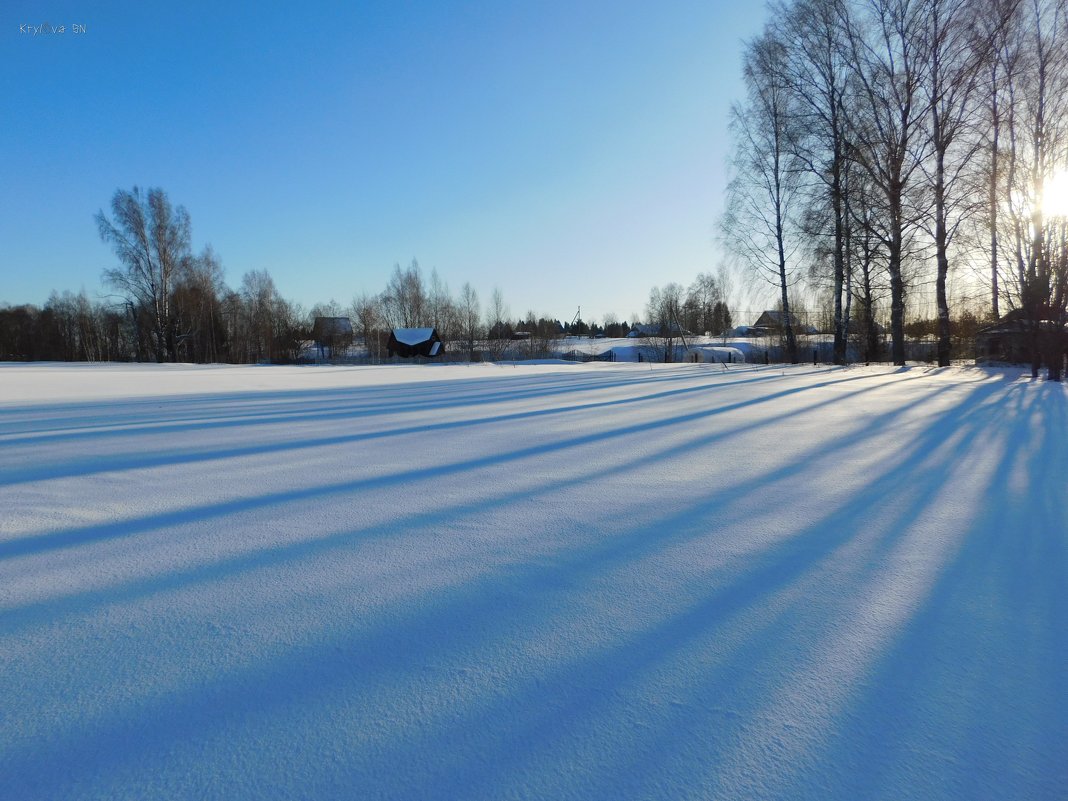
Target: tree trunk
[840,330]
[942,259]
[897,283]
[993,200]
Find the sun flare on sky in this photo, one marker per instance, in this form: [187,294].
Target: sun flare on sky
[1055,195]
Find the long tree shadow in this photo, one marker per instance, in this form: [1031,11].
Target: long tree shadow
[185,412]
[138,459]
[15,618]
[41,542]
[971,694]
[515,598]
[729,502]
[595,685]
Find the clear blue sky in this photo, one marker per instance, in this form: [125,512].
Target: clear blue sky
[572,153]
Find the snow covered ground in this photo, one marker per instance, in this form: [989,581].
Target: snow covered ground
[706,349]
[599,581]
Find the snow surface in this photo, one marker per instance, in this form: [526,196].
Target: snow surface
[629,349]
[556,581]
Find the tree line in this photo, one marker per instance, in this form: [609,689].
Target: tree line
[412,301]
[885,146]
[173,305]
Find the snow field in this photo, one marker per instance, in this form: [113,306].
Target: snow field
[614,581]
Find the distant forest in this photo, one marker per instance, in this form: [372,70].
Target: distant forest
[174,306]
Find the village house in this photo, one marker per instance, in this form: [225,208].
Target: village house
[331,334]
[1012,339]
[410,342]
[771,322]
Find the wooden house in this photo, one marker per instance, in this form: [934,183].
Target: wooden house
[772,321]
[331,334]
[1013,339]
[410,342]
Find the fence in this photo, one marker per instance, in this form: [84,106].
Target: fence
[579,356]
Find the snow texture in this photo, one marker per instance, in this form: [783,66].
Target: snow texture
[558,581]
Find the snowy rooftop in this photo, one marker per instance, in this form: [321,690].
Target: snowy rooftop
[412,336]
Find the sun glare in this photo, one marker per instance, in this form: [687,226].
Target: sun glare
[1055,195]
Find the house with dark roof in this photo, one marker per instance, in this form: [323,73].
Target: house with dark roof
[649,330]
[857,326]
[331,334]
[410,342]
[1014,337]
[773,321]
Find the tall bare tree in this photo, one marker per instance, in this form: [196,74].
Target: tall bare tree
[757,222]
[957,55]
[404,302]
[816,72]
[699,306]
[367,314]
[197,303]
[1038,156]
[497,323]
[865,257]
[663,312]
[266,317]
[441,310]
[885,132]
[470,315]
[999,26]
[152,240]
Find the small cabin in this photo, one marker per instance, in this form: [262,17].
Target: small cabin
[1013,338]
[652,330]
[410,342]
[774,322]
[331,334]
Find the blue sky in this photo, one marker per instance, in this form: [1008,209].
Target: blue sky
[569,153]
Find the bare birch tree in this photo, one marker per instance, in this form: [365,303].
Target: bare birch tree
[470,314]
[885,132]
[366,311]
[957,56]
[815,70]
[1038,157]
[404,302]
[152,241]
[757,224]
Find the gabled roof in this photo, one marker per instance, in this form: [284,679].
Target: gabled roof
[1018,325]
[1018,320]
[331,326]
[412,336]
[654,330]
[639,329]
[774,316]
